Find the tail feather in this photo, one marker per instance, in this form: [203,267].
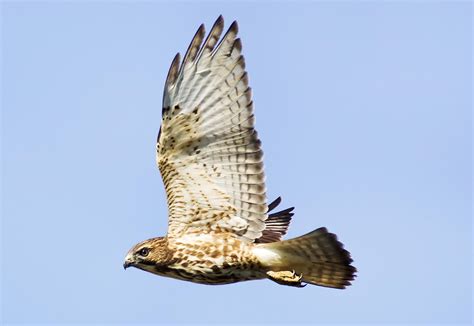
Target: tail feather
[318,256]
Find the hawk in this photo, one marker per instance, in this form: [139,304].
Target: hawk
[220,228]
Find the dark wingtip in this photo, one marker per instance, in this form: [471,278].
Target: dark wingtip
[201,30]
[174,68]
[234,27]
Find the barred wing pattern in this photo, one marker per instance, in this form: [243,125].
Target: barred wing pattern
[208,151]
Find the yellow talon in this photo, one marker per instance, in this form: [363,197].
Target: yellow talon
[286,278]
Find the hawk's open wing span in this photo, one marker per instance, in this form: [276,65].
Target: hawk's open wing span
[208,151]
[220,228]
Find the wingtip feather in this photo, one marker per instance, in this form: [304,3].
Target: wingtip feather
[194,46]
[234,27]
[173,71]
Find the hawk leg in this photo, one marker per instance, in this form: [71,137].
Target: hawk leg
[286,278]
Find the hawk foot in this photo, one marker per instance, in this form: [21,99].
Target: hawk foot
[286,278]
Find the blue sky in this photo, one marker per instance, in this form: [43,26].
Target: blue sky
[364,111]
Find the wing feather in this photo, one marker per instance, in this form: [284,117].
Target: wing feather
[208,151]
[211,39]
[277,223]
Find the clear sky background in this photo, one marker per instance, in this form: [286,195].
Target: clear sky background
[364,110]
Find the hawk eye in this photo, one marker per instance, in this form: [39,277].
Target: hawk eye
[144,252]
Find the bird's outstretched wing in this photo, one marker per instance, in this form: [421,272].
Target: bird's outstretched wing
[208,151]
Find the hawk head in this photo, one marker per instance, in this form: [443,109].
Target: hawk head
[148,254]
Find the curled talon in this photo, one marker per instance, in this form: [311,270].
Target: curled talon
[286,278]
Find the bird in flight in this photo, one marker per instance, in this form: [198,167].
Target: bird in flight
[220,228]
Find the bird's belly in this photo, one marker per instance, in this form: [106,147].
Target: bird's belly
[215,262]
[214,276]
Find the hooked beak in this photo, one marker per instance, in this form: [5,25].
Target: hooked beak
[128,262]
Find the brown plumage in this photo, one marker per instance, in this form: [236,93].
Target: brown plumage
[220,228]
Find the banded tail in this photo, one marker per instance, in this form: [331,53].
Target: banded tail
[317,256]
